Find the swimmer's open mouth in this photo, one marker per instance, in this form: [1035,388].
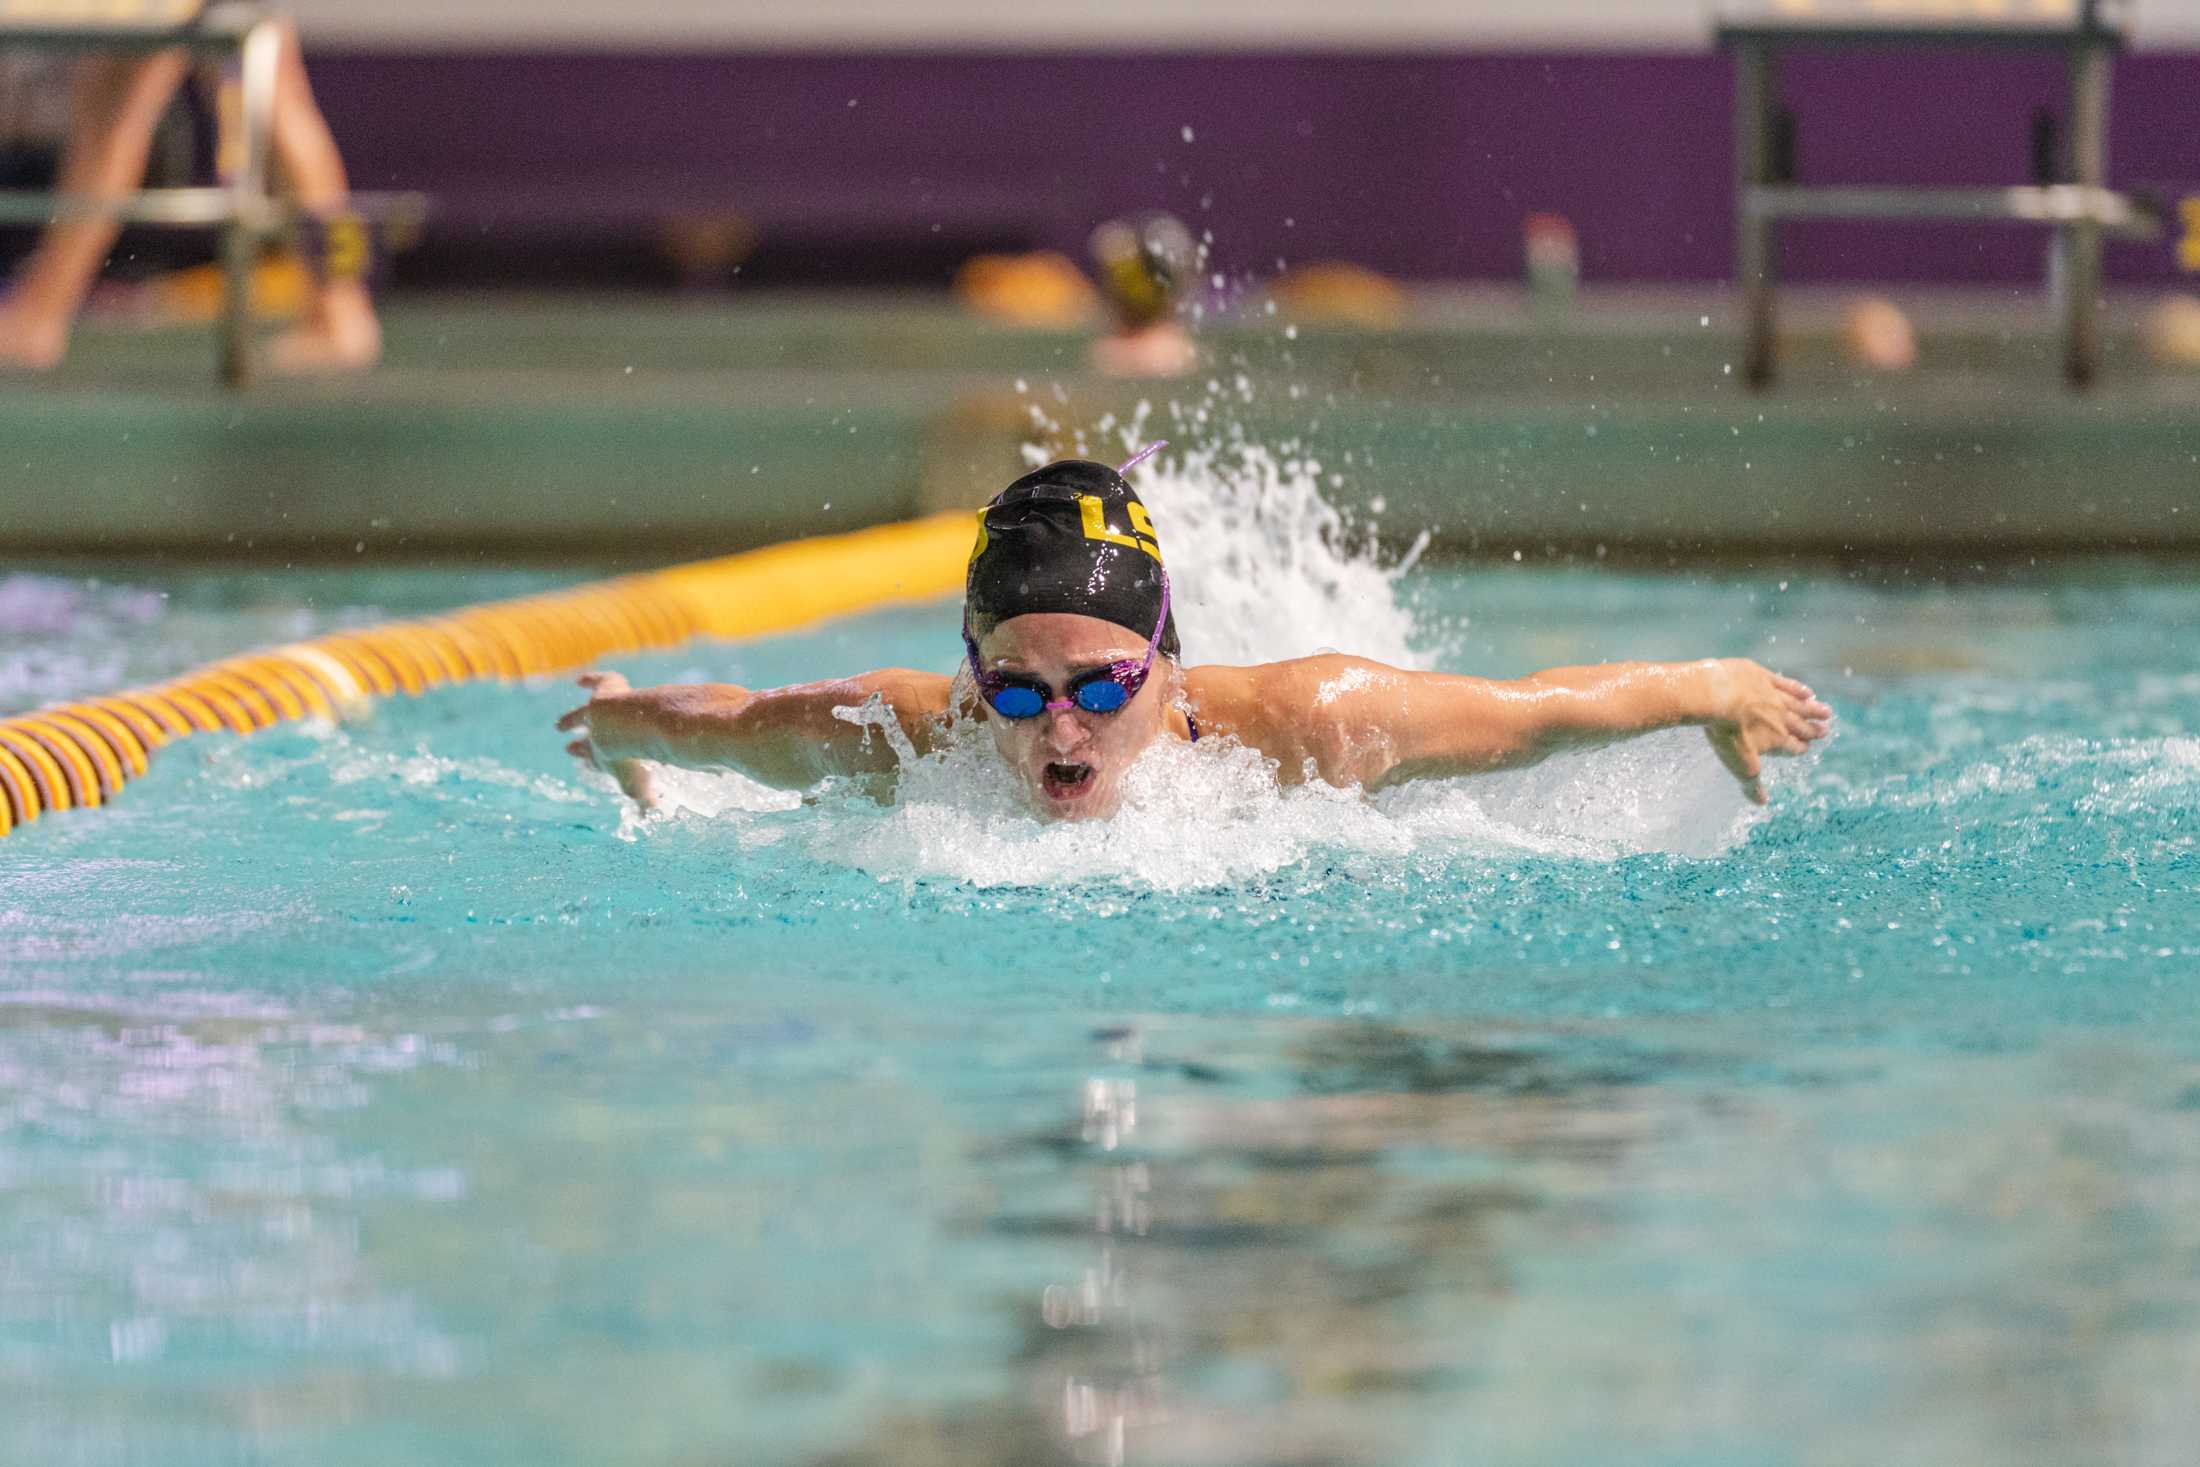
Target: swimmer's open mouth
[1065,781]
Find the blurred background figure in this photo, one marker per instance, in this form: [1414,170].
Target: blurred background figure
[2173,332]
[115,108]
[1875,333]
[706,247]
[1039,288]
[1552,254]
[1146,263]
[1340,293]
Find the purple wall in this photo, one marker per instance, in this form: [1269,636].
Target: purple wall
[1418,165]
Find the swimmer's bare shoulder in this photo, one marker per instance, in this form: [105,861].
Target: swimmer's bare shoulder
[1268,707]
[1332,717]
[1354,721]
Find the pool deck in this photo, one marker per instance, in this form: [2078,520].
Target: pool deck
[641,429]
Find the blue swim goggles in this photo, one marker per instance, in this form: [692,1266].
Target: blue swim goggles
[1103,690]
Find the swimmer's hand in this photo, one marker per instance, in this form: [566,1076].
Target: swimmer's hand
[1756,711]
[606,722]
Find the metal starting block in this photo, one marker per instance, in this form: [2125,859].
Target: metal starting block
[2076,202]
[241,42]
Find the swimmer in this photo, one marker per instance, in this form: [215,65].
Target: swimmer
[1147,264]
[1070,662]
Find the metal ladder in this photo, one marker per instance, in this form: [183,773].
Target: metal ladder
[243,40]
[2081,208]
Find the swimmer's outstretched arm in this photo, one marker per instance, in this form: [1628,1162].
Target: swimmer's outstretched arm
[788,738]
[1350,721]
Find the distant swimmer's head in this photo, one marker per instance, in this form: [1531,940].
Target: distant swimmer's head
[1069,632]
[1144,263]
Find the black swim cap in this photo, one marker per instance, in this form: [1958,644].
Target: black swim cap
[1069,537]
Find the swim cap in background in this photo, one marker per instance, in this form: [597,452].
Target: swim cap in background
[1145,262]
[1069,537]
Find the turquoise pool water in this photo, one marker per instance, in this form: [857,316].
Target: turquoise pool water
[382,1094]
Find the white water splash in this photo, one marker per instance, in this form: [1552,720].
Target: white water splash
[1192,816]
[1212,814]
[1264,568]
[1663,792]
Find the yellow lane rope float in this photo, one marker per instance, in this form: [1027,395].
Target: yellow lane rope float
[78,755]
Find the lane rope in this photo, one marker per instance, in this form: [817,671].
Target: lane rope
[80,754]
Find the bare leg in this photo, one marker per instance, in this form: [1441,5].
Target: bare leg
[117,104]
[338,332]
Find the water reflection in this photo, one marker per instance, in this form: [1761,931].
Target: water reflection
[170,1196]
[1289,1255]
[1120,1384]
[716,1227]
